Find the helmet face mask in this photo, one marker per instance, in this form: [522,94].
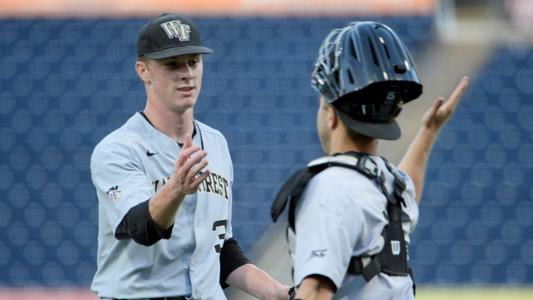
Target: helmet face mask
[327,65]
[366,72]
[322,85]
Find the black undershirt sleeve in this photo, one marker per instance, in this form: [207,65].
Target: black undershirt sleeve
[231,257]
[138,225]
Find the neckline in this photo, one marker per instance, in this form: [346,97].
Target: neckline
[196,128]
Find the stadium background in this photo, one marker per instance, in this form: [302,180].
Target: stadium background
[67,79]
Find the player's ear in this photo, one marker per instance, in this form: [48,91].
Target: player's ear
[142,70]
[332,117]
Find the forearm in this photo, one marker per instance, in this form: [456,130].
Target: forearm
[185,179]
[313,288]
[164,205]
[254,281]
[138,225]
[231,258]
[415,160]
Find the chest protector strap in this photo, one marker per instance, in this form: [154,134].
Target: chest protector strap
[392,259]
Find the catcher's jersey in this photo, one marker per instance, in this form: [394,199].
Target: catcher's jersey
[342,214]
[128,167]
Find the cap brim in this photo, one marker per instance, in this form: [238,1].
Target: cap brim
[384,131]
[176,51]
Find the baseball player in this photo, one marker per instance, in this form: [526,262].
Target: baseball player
[351,212]
[164,181]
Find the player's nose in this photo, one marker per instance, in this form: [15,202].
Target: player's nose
[186,72]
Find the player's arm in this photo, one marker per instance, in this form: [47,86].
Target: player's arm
[258,283]
[152,220]
[138,225]
[415,159]
[185,179]
[237,271]
[316,287]
[231,258]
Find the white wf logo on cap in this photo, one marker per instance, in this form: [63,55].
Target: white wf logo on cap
[175,29]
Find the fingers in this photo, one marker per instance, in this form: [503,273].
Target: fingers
[188,172]
[457,94]
[186,150]
[430,114]
[195,171]
[186,162]
[436,105]
[185,154]
[188,141]
[198,178]
[441,110]
[194,174]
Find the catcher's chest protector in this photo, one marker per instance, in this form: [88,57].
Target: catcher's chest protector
[392,259]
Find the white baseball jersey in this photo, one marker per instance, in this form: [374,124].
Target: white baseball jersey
[342,214]
[128,167]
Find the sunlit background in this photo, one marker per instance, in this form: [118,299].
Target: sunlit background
[67,80]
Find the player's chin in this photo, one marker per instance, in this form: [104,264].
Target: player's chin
[188,99]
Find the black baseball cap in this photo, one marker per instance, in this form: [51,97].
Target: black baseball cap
[169,35]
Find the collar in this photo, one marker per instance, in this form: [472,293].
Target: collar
[180,144]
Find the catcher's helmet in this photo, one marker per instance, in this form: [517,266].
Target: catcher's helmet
[366,72]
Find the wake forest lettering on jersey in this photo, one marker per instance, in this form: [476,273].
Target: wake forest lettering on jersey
[214,183]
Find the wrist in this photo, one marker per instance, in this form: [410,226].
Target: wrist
[276,291]
[427,136]
[175,193]
[430,130]
[283,291]
[272,292]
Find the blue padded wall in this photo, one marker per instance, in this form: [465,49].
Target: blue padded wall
[65,84]
[476,223]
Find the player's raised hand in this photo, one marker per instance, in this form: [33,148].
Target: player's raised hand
[442,110]
[188,172]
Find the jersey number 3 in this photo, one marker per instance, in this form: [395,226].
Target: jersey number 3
[216,225]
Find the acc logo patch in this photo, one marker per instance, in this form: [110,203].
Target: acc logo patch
[319,253]
[114,193]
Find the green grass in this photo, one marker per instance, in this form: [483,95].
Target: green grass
[474,293]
